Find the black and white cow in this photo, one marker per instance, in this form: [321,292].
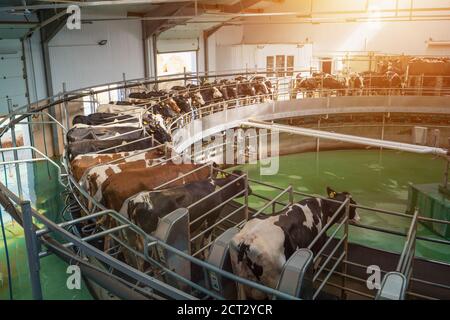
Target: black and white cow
[184,103]
[148,207]
[83,132]
[106,146]
[262,247]
[99,118]
[355,84]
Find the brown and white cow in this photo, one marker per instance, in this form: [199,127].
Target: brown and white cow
[94,177]
[262,247]
[120,186]
[84,161]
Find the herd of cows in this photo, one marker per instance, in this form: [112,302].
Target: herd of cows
[366,83]
[392,77]
[118,156]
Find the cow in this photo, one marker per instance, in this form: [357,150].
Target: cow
[210,94]
[355,84]
[99,118]
[270,88]
[101,133]
[223,90]
[155,126]
[395,83]
[260,87]
[307,86]
[147,208]
[93,178]
[230,87]
[245,89]
[330,84]
[195,95]
[106,146]
[375,83]
[84,161]
[119,187]
[261,248]
[184,103]
[164,110]
[172,104]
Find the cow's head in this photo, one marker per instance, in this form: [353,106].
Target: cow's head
[140,211]
[173,105]
[198,98]
[216,93]
[154,124]
[334,206]
[236,187]
[146,209]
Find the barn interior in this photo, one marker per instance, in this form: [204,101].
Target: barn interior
[298,95]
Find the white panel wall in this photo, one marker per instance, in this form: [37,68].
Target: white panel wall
[242,57]
[394,37]
[220,49]
[12,84]
[78,60]
[35,68]
[177,45]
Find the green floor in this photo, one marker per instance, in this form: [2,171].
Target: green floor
[376,179]
[45,192]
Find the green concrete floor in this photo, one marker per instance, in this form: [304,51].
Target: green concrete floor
[375,179]
[45,193]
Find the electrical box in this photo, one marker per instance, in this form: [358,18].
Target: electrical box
[420,135]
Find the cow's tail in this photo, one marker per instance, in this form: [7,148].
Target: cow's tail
[241,254]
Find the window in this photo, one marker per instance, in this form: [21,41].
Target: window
[175,63]
[270,65]
[290,66]
[284,66]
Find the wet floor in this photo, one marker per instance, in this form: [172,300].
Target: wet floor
[40,184]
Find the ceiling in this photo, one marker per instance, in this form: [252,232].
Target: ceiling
[183,16]
[186,18]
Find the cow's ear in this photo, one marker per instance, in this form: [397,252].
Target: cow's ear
[331,193]
[179,198]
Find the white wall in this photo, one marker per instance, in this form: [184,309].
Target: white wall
[222,56]
[233,47]
[77,59]
[385,37]
[35,68]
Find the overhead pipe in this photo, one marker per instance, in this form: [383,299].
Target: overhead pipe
[400,146]
[87,4]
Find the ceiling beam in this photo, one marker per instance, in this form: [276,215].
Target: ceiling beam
[165,10]
[89,4]
[240,6]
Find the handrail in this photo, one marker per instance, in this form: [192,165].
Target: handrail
[45,157]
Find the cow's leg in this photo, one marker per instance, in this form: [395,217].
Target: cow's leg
[319,244]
